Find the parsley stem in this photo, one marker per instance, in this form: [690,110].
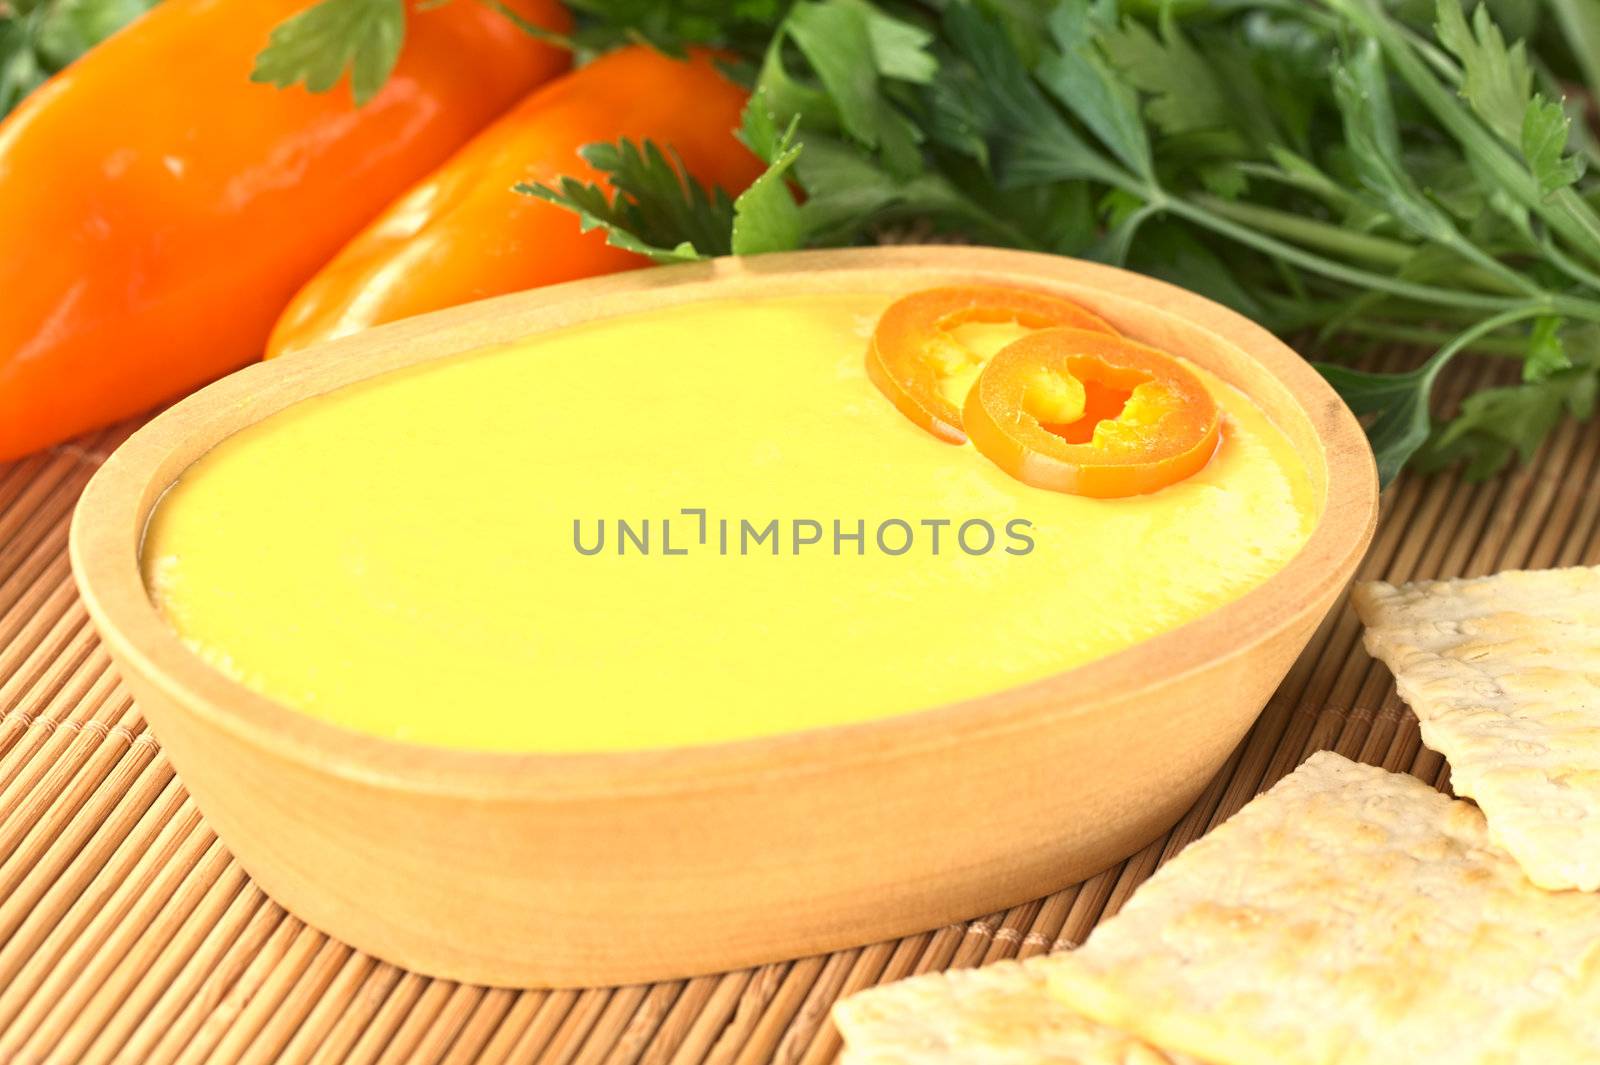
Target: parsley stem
[1310,231]
[1499,347]
[1306,179]
[1568,266]
[1563,210]
[528,26]
[1352,275]
[1570,306]
[1471,335]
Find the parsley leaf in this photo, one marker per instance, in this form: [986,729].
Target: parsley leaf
[853,49]
[1028,140]
[765,216]
[319,44]
[68,28]
[1496,79]
[1547,354]
[1184,90]
[1081,81]
[657,210]
[1545,131]
[1496,423]
[39,38]
[672,26]
[20,69]
[1394,406]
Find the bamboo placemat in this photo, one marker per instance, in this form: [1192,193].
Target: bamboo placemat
[127,932]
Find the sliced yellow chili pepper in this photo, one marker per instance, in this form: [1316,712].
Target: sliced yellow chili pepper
[1092,415]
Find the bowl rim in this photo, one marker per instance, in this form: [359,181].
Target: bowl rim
[108,524]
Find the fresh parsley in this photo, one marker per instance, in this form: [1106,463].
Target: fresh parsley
[40,37]
[765,216]
[656,209]
[319,44]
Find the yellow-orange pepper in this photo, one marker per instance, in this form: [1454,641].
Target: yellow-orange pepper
[158,209]
[462,234]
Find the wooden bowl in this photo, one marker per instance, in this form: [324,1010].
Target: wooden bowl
[587,869]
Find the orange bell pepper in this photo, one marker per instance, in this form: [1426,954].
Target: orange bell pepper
[158,209]
[463,234]
[1093,415]
[913,356]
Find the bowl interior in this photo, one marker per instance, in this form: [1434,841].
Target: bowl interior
[114,510]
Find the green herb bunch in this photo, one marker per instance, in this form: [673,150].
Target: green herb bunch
[1341,168]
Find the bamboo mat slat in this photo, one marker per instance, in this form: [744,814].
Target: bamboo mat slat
[128,933]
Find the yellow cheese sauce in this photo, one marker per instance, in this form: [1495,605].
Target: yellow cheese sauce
[416,556]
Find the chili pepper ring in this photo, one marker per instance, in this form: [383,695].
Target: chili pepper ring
[1090,414]
[913,351]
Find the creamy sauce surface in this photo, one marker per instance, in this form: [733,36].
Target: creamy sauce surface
[399,557]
